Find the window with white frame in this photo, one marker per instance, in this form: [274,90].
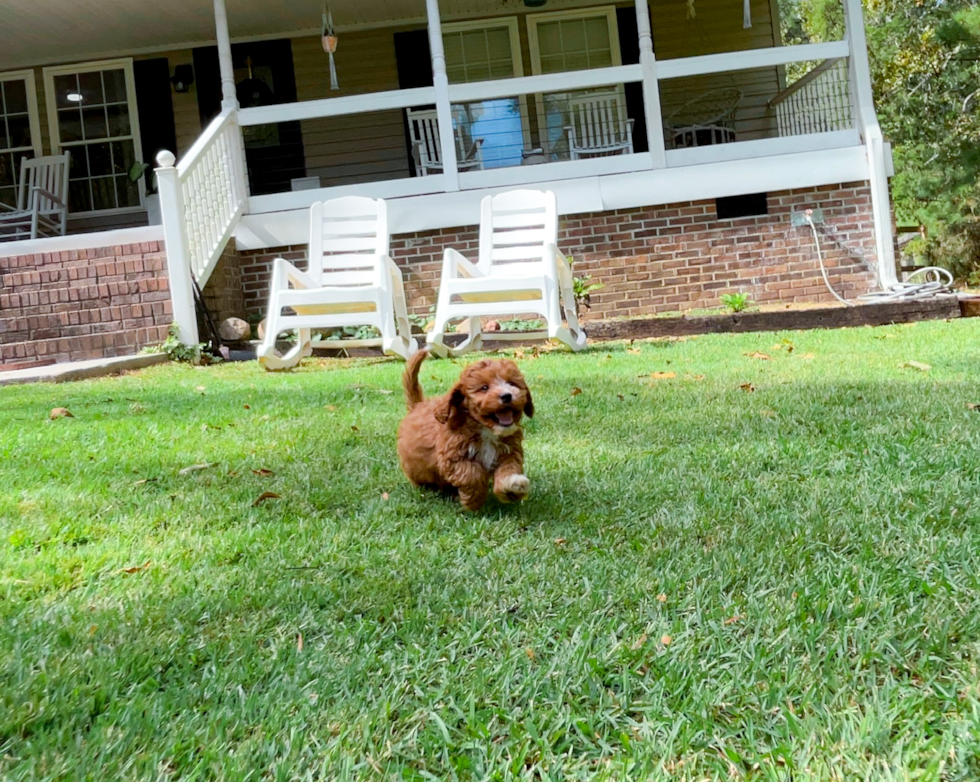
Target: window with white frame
[92,115]
[20,135]
[570,41]
[483,51]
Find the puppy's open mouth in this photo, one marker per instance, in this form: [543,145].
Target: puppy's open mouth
[504,418]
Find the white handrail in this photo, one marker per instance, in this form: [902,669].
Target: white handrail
[818,102]
[201,202]
[337,107]
[803,81]
[705,64]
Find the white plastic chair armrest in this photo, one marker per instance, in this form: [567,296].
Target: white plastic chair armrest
[298,279]
[457,266]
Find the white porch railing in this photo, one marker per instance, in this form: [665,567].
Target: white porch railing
[817,102]
[201,201]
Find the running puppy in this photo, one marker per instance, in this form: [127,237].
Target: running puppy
[472,434]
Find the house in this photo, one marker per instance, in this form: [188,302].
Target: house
[682,139]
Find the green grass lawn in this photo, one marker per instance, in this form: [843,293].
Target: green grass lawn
[729,567]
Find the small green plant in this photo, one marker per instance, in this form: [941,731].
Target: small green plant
[137,170]
[582,290]
[736,302]
[177,350]
[535,324]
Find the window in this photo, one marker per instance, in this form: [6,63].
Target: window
[20,135]
[92,114]
[750,205]
[483,51]
[570,41]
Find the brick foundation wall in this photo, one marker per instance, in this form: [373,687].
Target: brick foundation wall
[223,294]
[665,258]
[83,304]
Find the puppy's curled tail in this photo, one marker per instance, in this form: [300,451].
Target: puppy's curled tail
[410,380]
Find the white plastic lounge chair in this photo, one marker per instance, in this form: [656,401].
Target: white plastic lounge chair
[520,271]
[42,200]
[598,126]
[351,281]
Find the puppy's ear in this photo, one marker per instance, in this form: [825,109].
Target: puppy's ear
[529,405]
[453,410]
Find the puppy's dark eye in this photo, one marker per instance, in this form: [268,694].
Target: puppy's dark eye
[485,388]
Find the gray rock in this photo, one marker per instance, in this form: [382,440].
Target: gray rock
[234,330]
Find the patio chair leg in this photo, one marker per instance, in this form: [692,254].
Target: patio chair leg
[269,357]
[473,342]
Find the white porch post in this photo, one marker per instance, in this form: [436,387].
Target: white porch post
[440,81]
[229,95]
[178,261]
[651,87]
[859,69]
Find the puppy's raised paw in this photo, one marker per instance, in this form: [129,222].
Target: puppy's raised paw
[512,488]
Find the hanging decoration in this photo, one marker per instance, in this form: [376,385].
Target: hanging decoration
[746,14]
[329,37]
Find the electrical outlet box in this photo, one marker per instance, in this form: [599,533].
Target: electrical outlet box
[799,217]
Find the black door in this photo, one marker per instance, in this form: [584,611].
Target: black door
[156,110]
[263,76]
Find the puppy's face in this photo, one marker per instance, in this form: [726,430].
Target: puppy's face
[493,393]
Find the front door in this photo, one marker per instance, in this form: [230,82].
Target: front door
[263,76]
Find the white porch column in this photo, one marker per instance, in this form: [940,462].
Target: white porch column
[859,70]
[229,95]
[651,87]
[178,262]
[444,108]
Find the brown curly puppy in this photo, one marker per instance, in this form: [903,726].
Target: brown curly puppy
[472,434]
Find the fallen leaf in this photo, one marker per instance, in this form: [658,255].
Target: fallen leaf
[136,569]
[621,397]
[518,354]
[666,640]
[697,377]
[200,389]
[195,468]
[767,413]
[576,391]
[263,473]
[639,642]
[247,407]
[266,495]
[354,429]
[759,356]
[385,495]
[972,406]
[663,375]
[530,653]
[560,541]
[61,412]
[733,619]
[747,387]
[634,351]
[662,597]
[299,643]
[331,408]
[145,480]
[385,391]
[916,365]
[807,356]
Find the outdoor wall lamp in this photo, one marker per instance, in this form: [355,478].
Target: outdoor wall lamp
[183,78]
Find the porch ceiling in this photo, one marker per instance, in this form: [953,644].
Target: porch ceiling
[43,32]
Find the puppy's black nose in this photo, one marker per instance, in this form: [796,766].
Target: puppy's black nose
[506,398]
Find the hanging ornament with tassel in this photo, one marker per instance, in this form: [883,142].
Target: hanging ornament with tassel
[329,37]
